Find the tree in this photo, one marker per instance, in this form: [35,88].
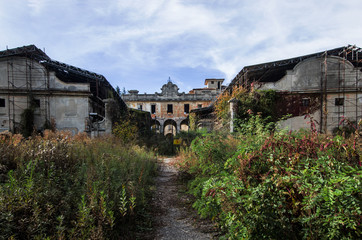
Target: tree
[118,90]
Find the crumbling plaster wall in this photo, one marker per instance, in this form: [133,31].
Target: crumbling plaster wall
[66,103]
[342,79]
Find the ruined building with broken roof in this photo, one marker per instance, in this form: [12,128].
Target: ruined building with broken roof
[325,86]
[71,98]
[169,108]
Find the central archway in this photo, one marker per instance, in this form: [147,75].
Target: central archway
[170,127]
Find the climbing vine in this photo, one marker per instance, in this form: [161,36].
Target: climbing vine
[262,102]
[27,118]
[193,121]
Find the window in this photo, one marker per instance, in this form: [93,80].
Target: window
[199,105]
[218,85]
[212,82]
[187,108]
[37,103]
[2,102]
[305,102]
[339,101]
[169,108]
[153,108]
[139,107]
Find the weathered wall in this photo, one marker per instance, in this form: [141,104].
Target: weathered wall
[308,75]
[341,80]
[22,79]
[70,112]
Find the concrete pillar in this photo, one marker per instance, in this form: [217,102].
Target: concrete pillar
[233,104]
[161,127]
[178,126]
[108,121]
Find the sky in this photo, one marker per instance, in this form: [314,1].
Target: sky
[140,44]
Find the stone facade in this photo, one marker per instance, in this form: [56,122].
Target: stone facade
[169,108]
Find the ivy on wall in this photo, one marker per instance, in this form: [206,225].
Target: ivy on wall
[262,102]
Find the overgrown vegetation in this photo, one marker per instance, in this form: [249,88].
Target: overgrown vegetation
[64,187]
[260,102]
[136,129]
[260,184]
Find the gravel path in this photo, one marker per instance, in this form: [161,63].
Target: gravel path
[174,219]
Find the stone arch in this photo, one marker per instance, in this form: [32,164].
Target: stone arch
[184,125]
[170,127]
[155,126]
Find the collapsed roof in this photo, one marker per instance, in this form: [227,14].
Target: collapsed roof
[99,86]
[273,71]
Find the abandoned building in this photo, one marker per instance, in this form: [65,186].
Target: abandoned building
[325,86]
[65,96]
[170,109]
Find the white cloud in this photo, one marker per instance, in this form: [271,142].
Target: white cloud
[155,36]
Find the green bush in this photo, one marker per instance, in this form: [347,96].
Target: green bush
[264,184]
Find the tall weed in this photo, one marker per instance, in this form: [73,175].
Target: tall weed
[65,187]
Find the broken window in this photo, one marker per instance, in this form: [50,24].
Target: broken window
[199,105]
[339,101]
[169,108]
[139,107]
[186,108]
[153,108]
[37,103]
[2,102]
[305,102]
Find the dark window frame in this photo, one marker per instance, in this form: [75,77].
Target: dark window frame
[339,101]
[169,108]
[305,102]
[37,103]
[2,102]
[186,108]
[153,108]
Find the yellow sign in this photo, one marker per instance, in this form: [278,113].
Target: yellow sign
[177,141]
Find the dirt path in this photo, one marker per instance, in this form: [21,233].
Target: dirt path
[174,220]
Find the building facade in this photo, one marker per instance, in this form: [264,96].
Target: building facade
[65,96]
[325,87]
[169,108]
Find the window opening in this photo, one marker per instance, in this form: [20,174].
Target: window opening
[169,108]
[187,108]
[153,109]
[305,102]
[2,102]
[339,101]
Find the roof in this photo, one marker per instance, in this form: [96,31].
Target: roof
[32,52]
[273,71]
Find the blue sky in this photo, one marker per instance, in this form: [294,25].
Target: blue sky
[139,44]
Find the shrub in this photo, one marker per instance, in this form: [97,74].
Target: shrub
[264,184]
